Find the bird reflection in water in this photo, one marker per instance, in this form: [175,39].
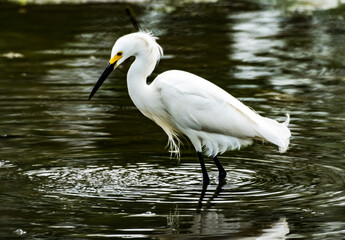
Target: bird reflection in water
[206,222]
[209,203]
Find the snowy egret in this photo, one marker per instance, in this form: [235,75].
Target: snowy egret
[182,103]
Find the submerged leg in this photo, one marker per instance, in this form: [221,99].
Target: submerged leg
[206,179]
[222,172]
[201,199]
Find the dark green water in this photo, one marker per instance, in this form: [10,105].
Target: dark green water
[77,169]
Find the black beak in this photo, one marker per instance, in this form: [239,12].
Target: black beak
[105,74]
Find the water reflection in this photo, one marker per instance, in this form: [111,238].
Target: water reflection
[214,195]
[122,185]
[213,223]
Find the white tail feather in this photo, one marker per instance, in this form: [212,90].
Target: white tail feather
[275,132]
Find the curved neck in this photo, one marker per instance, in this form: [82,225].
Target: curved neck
[136,81]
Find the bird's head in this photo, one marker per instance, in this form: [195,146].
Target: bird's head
[134,44]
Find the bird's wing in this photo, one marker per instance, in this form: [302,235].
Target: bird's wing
[197,104]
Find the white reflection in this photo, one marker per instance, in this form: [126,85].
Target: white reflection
[278,230]
[214,223]
[252,35]
[253,43]
[313,5]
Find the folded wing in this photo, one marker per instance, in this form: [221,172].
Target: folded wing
[197,104]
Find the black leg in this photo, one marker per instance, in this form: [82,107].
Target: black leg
[206,179]
[222,172]
[202,195]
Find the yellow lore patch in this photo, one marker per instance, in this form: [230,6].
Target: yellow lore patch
[116,58]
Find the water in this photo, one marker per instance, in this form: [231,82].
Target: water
[74,169]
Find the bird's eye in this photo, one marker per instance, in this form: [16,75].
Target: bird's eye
[119,54]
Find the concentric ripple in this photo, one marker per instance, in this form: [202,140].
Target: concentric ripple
[273,187]
[251,180]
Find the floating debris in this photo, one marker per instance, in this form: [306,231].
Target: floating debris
[19,232]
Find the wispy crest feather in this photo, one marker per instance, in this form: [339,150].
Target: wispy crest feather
[154,47]
[153,50]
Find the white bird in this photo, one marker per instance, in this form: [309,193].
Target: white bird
[182,103]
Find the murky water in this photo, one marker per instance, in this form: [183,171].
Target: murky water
[74,169]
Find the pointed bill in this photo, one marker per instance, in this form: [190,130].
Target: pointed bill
[110,67]
[102,78]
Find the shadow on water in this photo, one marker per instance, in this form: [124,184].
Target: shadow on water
[73,169]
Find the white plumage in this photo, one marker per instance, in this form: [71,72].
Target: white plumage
[182,103]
